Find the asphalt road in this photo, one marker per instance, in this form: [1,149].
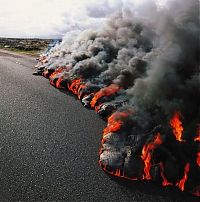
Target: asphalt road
[49,145]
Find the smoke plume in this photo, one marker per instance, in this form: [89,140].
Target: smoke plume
[140,72]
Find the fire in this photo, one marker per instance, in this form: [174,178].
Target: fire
[107,91]
[56,72]
[197,138]
[81,87]
[181,183]
[115,122]
[176,125]
[164,182]
[76,86]
[58,82]
[146,155]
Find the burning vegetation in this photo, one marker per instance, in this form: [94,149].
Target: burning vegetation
[140,73]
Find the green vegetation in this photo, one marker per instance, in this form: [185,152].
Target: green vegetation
[25,46]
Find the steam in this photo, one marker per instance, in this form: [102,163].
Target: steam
[153,56]
[139,69]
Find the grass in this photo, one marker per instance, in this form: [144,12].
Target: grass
[32,47]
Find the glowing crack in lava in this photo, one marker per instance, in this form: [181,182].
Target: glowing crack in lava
[142,78]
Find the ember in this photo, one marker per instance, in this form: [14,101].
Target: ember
[142,77]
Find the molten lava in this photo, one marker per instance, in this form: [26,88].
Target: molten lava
[146,155]
[197,138]
[115,122]
[177,127]
[56,72]
[58,82]
[181,183]
[165,181]
[107,91]
[74,86]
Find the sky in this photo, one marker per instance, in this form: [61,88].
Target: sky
[53,18]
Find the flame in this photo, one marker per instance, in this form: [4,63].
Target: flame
[197,138]
[109,90]
[76,86]
[115,122]
[146,155]
[181,183]
[79,93]
[176,125]
[58,82]
[56,72]
[164,182]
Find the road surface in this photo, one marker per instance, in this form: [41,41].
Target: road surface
[49,144]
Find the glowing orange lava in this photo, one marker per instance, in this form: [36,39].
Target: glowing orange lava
[107,91]
[146,155]
[197,138]
[56,72]
[74,86]
[115,122]
[119,119]
[117,172]
[176,125]
[181,183]
[164,182]
[58,82]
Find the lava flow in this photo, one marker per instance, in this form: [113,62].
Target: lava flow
[107,91]
[177,127]
[134,72]
[181,183]
[115,122]
[147,153]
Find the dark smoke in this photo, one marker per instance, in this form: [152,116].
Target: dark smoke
[152,54]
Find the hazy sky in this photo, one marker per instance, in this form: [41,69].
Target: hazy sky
[53,18]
